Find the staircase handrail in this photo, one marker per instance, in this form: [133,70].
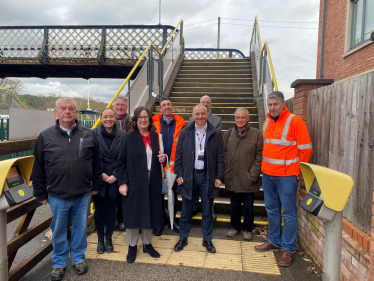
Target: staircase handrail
[14,95]
[266,80]
[149,49]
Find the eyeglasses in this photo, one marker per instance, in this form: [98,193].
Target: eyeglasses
[143,117]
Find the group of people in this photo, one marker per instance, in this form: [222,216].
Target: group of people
[121,165]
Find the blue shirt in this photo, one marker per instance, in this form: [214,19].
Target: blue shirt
[167,131]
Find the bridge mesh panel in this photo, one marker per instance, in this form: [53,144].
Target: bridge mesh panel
[74,43]
[210,54]
[20,43]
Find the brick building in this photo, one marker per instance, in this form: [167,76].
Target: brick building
[345,50]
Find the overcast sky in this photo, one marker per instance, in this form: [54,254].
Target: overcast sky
[293,50]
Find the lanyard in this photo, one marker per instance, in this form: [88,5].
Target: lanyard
[198,137]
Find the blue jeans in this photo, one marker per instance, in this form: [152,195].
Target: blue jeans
[76,212]
[280,193]
[199,184]
[236,200]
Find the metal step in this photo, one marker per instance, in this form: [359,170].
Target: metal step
[212,94]
[214,80]
[231,71]
[226,60]
[215,100]
[214,110]
[215,63]
[212,89]
[214,75]
[213,84]
[246,67]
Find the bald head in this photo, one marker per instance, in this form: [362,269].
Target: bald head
[206,101]
[199,106]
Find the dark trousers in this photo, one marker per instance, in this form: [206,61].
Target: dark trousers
[119,212]
[199,185]
[236,200]
[105,213]
[165,204]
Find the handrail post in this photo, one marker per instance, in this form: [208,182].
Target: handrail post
[128,94]
[160,76]
[181,38]
[164,36]
[149,79]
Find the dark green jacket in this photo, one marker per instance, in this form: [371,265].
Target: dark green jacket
[243,158]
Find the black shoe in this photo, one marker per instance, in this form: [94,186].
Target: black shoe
[57,274]
[131,255]
[109,244]
[176,227]
[209,246]
[100,244]
[148,248]
[121,227]
[80,268]
[180,245]
[158,232]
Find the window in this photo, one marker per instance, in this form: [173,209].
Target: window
[362,21]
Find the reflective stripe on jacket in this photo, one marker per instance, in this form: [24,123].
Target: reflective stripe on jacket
[179,123]
[286,144]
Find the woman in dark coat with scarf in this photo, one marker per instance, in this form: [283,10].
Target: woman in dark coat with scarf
[140,180]
[106,200]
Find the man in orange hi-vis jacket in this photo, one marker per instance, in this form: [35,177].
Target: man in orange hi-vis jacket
[286,144]
[169,125]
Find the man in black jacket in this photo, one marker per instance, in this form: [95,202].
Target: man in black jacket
[200,166]
[67,169]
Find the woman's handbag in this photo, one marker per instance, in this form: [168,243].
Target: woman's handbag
[164,180]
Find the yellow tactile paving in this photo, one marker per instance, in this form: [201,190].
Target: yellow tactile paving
[223,261]
[187,258]
[231,255]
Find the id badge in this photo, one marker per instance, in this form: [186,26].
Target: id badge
[200,155]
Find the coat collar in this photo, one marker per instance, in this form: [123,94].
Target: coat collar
[101,140]
[210,128]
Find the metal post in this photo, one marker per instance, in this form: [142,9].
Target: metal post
[160,76]
[3,247]
[159,13]
[181,37]
[150,59]
[219,35]
[332,250]
[128,94]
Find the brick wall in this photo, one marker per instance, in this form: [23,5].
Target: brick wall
[334,65]
[357,257]
[357,250]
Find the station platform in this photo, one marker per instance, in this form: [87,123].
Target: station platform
[230,255]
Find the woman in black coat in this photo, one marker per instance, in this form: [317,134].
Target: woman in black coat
[140,180]
[106,200]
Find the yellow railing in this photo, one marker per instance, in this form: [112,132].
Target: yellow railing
[14,96]
[256,25]
[138,62]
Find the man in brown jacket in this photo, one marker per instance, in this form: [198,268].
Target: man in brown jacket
[243,156]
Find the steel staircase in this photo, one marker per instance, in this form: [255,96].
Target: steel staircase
[229,84]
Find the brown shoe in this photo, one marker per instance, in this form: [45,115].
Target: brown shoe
[267,246]
[285,259]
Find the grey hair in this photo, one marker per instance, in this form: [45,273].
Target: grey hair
[66,99]
[199,105]
[121,97]
[276,95]
[241,108]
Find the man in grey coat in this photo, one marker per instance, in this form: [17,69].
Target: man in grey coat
[200,168]
[217,123]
